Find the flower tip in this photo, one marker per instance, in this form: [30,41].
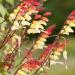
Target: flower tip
[51,29]
[47,14]
[73,12]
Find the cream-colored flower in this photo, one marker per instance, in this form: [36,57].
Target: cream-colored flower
[42,39]
[16,10]
[57,53]
[37,26]
[12,16]
[27,17]
[25,23]
[33,31]
[38,46]
[54,57]
[40,42]
[65,54]
[43,22]
[72,23]
[52,62]
[66,33]
[20,18]
[16,26]
[68,29]
[20,72]
[31,10]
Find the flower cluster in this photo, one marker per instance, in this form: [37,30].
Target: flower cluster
[27,67]
[33,2]
[70,22]
[26,20]
[57,50]
[45,52]
[40,43]
[22,15]
[51,52]
[38,24]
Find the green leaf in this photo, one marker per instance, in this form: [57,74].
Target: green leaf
[3,11]
[1,19]
[11,2]
[0,1]
[3,26]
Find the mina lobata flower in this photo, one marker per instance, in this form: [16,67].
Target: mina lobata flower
[27,17]
[70,22]
[37,16]
[28,67]
[67,30]
[36,27]
[33,31]
[20,18]
[21,72]
[46,51]
[25,23]
[16,26]
[45,19]
[13,15]
[40,43]
[32,2]
[65,54]
[47,13]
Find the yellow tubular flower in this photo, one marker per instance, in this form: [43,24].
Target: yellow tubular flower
[25,23]
[20,18]
[16,26]
[20,72]
[42,39]
[68,29]
[57,53]
[40,43]
[16,10]
[33,31]
[43,22]
[36,27]
[72,23]
[27,17]
[12,16]
[54,57]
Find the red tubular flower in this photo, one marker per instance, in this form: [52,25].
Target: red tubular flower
[31,65]
[41,9]
[37,16]
[23,8]
[45,19]
[33,2]
[73,12]
[47,14]
[45,52]
[40,43]
[48,31]
[72,15]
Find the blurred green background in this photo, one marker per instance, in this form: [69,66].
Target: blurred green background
[60,10]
